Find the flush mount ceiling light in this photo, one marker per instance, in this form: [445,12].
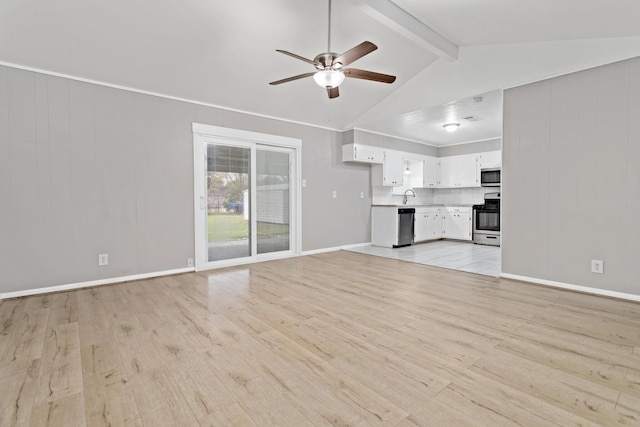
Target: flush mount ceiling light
[329,78]
[451,127]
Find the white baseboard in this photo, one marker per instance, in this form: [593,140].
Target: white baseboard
[335,248]
[234,262]
[81,285]
[113,280]
[585,289]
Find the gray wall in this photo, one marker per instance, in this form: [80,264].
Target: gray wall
[470,148]
[87,169]
[571,178]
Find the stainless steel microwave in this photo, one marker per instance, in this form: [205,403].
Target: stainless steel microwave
[490,177]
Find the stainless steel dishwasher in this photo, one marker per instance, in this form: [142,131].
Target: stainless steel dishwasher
[405,226]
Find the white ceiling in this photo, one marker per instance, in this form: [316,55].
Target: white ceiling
[473,22]
[223,53]
[479,117]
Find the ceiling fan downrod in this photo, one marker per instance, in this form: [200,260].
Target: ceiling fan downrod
[329,30]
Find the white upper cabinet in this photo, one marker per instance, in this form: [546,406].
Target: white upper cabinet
[447,173]
[362,153]
[467,171]
[392,168]
[389,166]
[490,159]
[430,172]
[458,171]
[391,172]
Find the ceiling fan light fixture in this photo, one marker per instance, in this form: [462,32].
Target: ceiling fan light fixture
[331,72]
[451,127]
[329,78]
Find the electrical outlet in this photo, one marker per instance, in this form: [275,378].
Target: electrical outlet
[362,194]
[103,259]
[335,194]
[190,262]
[304,183]
[597,266]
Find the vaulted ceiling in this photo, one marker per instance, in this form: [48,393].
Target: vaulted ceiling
[443,52]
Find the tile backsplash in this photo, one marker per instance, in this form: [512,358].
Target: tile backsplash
[437,196]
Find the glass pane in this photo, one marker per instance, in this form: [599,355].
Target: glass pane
[488,220]
[228,221]
[272,201]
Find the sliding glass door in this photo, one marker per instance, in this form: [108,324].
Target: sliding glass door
[246,196]
[228,209]
[272,201]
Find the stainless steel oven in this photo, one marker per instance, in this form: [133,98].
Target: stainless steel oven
[486,221]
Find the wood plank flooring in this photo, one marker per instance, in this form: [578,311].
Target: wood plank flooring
[341,338]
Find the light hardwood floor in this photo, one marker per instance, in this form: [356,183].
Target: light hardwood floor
[333,339]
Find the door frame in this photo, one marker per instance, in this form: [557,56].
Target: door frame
[204,134]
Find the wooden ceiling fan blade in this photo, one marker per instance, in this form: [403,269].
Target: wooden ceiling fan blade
[293,55]
[369,75]
[333,92]
[290,79]
[356,53]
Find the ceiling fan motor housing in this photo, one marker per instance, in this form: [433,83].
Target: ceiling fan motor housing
[326,61]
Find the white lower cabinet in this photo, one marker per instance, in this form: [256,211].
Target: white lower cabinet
[447,222]
[421,226]
[429,224]
[457,223]
[436,225]
[384,226]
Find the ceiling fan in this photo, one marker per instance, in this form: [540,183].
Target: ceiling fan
[330,66]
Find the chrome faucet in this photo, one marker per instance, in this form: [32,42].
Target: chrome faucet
[404,197]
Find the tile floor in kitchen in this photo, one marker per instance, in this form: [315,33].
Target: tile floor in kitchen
[461,256]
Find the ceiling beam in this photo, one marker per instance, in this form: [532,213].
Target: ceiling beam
[399,20]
